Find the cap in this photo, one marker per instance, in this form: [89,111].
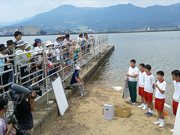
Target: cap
[78,68]
[38,40]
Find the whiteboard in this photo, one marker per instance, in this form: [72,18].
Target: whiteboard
[177,122]
[60,96]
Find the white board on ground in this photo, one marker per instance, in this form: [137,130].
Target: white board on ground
[60,96]
[177,122]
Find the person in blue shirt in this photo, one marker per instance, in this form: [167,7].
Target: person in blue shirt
[76,81]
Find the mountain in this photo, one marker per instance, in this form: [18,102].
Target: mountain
[114,18]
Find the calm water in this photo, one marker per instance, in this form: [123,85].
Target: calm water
[159,49]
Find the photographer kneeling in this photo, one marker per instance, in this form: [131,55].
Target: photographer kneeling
[5,128]
[23,113]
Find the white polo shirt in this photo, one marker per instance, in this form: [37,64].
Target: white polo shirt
[162,85]
[142,76]
[149,81]
[176,95]
[133,71]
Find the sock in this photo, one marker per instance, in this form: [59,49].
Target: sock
[162,120]
[143,104]
[149,110]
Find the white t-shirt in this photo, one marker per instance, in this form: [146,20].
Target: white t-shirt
[149,81]
[142,76]
[133,71]
[176,95]
[58,53]
[39,50]
[162,85]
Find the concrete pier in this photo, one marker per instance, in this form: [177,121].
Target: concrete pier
[46,112]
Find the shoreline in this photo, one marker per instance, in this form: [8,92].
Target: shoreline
[110,32]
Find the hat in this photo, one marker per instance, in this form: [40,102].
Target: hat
[49,43]
[20,43]
[2,47]
[78,68]
[59,36]
[147,66]
[38,40]
[10,42]
[27,45]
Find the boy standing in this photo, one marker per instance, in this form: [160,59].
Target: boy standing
[142,75]
[176,96]
[160,97]
[148,90]
[132,82]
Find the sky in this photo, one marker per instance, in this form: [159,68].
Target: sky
[13,10]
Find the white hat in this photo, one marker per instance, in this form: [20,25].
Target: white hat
[49,43]
[77,68]
[20,43]
[27,45]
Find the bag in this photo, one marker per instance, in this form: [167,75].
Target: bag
[126,90]
[20,132]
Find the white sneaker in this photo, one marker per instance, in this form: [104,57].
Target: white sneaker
[157,122]
[82,94]
[144,107]
[172,130]
[134,103]
[161,124]
[141,106]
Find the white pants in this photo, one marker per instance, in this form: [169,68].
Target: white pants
[80,88]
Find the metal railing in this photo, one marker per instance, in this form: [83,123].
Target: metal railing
[47,69]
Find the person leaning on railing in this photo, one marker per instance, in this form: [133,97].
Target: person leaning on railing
[21,60]
[4,77]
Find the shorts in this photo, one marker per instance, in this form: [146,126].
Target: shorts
[141,91]
[175,107]
[159,104]
[148,97]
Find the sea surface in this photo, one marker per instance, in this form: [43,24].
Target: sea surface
[159,49]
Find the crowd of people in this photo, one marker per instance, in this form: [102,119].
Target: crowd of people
[29,58]
[147,85]
[28,62]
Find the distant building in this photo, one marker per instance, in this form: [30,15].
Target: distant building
[31,30]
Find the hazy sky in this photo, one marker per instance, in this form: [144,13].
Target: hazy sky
[12,10]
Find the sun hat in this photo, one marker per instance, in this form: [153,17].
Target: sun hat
[27,45]
[49,43]
[78,68]
[20,43]
[59,36]
[2,47]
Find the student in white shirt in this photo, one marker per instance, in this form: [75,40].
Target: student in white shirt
[160,97]
[176,96]
[148,89]
[142,75]
[132,81]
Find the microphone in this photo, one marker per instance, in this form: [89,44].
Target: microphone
[20,89]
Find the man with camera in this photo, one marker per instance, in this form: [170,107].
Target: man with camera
[5,128]
[23,113]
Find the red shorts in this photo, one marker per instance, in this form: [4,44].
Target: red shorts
[148,97]
[141,91]
[159,104]
[175,106]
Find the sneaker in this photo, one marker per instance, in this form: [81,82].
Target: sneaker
[172,130]
[129,102]
[157,122]
[147,113]
[134,103]
[144,107]
[141,106]
[150,114]
[82,94]
[161,124]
